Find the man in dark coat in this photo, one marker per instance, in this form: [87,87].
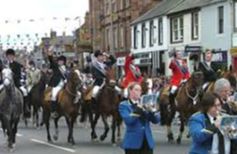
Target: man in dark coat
[207,68]
[99,69]
[18,78]
[57,80]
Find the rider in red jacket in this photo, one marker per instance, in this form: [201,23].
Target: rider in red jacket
[132,73]
[180,74]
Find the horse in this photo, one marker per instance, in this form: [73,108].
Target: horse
[11,107]
[230,75]
[66,106]
[36,97]
[186,103]
[107,104]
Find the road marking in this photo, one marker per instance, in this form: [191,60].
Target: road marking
[54,146]
[19,135]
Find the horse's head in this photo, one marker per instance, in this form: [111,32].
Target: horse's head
[197,79]
[231,77]
[7,77]
[110,76]
[75,78]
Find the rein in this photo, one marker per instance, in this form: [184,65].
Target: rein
[68,90]
[194,99]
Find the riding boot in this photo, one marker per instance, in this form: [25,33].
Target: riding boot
[26,107]
[54,113]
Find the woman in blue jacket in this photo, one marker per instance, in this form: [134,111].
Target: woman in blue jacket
[203,125]
[138,136]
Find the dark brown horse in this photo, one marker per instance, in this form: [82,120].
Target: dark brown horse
[36,97]
[66,106]
[107,105]
[186,103]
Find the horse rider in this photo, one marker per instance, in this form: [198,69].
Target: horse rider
[57,80]
[207,68]
[180,74]
[18,75]
[132,73]
[33,75]
[98,69]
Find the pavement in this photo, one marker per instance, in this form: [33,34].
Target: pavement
[33,141]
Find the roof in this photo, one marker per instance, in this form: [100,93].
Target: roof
[191,4]
[173,6]
[160,9]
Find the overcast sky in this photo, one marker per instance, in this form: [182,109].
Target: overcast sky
[37,17]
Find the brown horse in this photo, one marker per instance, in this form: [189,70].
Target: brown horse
[107,105]
[66,106]
[186,103]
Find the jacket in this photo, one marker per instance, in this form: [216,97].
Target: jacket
[57,74]
[99,74]
[136,129]
[209,74]
[130,74]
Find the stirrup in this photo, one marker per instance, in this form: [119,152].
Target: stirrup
[54,114]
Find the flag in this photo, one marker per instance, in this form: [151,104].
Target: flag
[77,18]
[66,19]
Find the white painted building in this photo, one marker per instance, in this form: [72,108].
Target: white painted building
[150,38]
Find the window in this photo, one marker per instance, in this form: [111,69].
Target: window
[127,3]
[195,27]
[152,27]
[160,31]
[107,38]
[121,4]
[177,29]
[114,6]
[135,41]
[107,11]
[220,19]
[235,15]
[121,36]
[115,38]
[143,35]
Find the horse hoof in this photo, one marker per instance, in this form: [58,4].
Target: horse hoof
[102,138]
[170,138]
[55,137]
[178,140]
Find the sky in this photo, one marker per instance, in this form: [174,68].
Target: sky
[24,22]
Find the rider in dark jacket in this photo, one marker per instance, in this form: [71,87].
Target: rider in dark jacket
[207,68]
[99,69]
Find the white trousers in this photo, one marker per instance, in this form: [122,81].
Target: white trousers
[173,89]
[205,85]
[56,89]
[96,90]
[24,91]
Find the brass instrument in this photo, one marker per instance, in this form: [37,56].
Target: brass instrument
[149,102]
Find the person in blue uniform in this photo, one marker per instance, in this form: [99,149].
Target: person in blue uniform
[204,125]
[138,136]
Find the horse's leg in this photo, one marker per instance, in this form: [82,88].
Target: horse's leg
[15,130]
[94,122]
[106,127]
[181,130]
[119,122]
[55,136]
[42,119]
[113,130]
[169,123]
[46,115]
[70,122]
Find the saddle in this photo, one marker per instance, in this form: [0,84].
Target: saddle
[48,94]
[87,93]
